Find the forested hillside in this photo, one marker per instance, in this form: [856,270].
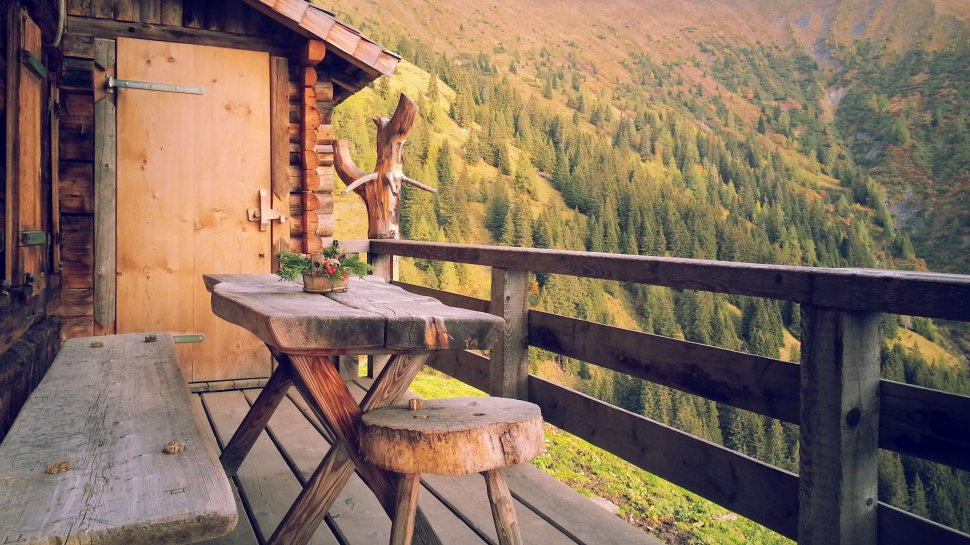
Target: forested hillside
[737,146]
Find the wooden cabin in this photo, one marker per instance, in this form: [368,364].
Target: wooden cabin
[147,142]
[140,136]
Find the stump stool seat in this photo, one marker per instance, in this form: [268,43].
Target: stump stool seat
[454,436]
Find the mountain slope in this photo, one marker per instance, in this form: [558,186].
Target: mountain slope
[733,130]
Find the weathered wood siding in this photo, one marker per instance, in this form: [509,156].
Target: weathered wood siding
[223,23]
[23,366]
[28,341]
[231,16]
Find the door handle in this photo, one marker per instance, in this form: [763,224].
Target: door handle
[265,214]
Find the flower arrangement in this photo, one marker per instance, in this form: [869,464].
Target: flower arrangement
[333,263]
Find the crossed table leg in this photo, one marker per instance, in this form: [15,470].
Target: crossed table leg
[317,379]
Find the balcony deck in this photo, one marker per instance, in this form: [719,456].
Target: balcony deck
[550,513]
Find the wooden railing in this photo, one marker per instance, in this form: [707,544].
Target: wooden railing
[844,410]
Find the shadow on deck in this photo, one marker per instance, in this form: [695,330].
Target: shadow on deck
[284,456]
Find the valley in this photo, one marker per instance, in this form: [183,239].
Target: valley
[829,135]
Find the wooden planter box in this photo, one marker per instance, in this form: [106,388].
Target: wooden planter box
[321,283]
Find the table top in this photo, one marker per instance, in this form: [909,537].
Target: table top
[373,317]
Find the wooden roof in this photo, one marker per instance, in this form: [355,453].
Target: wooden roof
[342,40]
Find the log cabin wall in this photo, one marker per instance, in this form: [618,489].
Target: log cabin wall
[222,23]
[29,336]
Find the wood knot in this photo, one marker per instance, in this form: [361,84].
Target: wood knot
[59,466]
[173,448]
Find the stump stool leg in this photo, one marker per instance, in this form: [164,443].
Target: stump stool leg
[503,509]
[402,527]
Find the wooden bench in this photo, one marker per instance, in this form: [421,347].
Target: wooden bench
[108,450]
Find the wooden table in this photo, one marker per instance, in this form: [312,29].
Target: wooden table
[305,332]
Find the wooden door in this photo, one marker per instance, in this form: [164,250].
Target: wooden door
[188,168]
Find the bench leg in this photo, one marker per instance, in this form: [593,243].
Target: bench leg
[402,527]
[255,422]
[503,508]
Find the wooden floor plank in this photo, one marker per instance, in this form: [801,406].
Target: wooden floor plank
[467,497]
[549,511]
[571,513]
[244,533]
[357,514]
[268,485]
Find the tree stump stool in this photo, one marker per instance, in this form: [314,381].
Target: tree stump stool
[453,437]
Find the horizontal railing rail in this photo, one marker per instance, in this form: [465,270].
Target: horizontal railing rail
[932,295]
[921,422]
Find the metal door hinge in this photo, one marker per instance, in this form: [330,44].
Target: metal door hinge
[33,238]
[34,63]
[188,338]
[114,82]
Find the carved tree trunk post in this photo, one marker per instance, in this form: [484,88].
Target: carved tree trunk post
[381,189]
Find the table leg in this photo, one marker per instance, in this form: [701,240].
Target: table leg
[255,421]
[320,384]
[321,490]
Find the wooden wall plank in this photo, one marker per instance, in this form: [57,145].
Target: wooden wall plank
[171,12]
[78,45]
[81,8]
[76,303]
[898,292]
[76,132]
[124,10]
[78,326]
[76,187]
[105,194]
[77,77]
[77,251]
[758,491]
[839,427]
[149,11]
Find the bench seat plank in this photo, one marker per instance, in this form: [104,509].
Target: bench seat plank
[109,411]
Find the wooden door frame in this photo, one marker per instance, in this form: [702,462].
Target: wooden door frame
[105,189]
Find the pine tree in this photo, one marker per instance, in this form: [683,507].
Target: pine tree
[917,498]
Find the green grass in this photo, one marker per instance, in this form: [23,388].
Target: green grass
[664,510]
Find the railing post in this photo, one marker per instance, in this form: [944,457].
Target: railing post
[509,365]
[839,435]
[386,267]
